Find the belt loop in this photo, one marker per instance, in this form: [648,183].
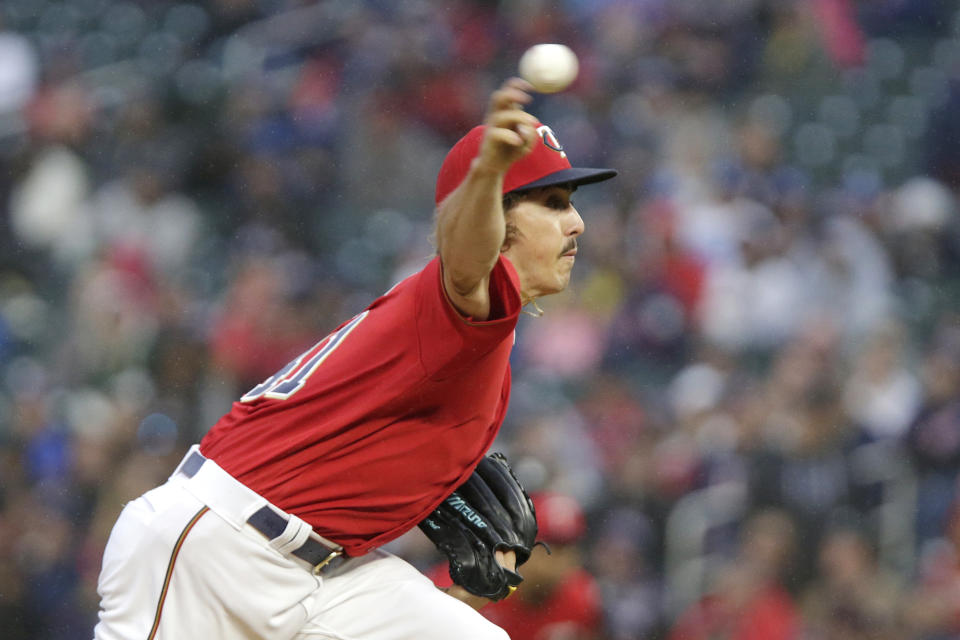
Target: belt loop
[294,535]
[191,462]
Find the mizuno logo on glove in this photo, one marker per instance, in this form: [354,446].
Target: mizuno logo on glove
[459,504]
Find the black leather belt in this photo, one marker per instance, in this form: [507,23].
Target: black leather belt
[272,525]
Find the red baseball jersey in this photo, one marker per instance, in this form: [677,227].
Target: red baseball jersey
[574,609]
[366,432]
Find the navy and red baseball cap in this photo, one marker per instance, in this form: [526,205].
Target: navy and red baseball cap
[546,165]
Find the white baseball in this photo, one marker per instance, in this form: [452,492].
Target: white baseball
[549,67]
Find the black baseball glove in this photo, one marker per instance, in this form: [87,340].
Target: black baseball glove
[489,512]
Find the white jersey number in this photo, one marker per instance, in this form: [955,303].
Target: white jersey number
[294,375]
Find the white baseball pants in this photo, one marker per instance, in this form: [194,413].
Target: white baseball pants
[177,566]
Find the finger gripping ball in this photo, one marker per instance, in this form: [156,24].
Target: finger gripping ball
[549,67]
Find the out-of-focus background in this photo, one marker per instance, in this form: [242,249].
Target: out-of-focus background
[751,389]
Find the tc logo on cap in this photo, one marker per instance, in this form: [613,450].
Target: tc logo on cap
[550,139]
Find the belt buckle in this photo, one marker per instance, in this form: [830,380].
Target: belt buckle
[323,563]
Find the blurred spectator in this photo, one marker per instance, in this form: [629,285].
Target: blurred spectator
[852,272]
[620,558]
[942,156]
[618,422]
[882,395]
[45,206]
[558,599]
[806,471]
[666,290]
[559,448]
[261,324]
[570,324]
[932,610]
[748,600]
[934,437]
[853,598]
[19,73]
[753,297]
[140,213]
[923,228]
[113,315]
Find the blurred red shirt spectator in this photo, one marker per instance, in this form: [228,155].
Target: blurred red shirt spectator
[558,599]
[748,601]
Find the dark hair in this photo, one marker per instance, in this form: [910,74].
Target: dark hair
[510,200]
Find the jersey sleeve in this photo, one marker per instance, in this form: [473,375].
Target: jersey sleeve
[449,341]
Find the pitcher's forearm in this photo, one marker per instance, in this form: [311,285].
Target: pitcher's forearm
[471,228]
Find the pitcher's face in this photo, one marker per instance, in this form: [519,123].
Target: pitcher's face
[543,246]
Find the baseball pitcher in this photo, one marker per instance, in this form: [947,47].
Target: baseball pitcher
[271,527]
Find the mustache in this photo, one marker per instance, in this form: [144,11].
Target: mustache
[570,246]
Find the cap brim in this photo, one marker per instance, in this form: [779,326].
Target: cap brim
[574,176]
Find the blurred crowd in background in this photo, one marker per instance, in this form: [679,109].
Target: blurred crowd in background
[750,392]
